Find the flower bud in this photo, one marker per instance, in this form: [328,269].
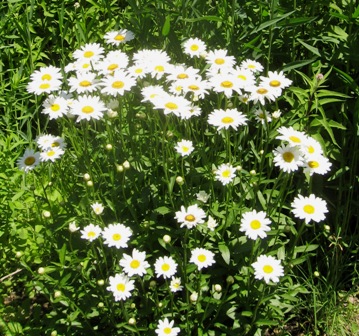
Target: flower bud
[167,239]
[230,280]
[100,282]
[57,294]
[100,305]
[89,183]
[179,180]
[108,147]
[41,270]
[194,297]
[46,214]
[18,254]
[87,177]
[218,288]
[119,168]
[126,165]
[132,321]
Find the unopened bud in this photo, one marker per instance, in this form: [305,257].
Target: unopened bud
[167,239]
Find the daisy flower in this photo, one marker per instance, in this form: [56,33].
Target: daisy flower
[267,268]
[79,66]
[219,60]
[134,264]
[317,164]
[262,116]
[226,83]
[175,285]
[91,232]
[202,196]
[292,136]
[180,72]
[227,118]
[276,80]
[165,266]
[244,77]
[55,106]
[38,86]
[51,154]
[184,147]
[261,94]
[202,257]
[116,235]
[255,224]
[192,111]
[137,71]
[152,92]
[83,82]
[310,147]
[114,61]
[251,65]
[225,173]
[196,85]
[309,208]
[194,47]
[190,217]
[89,52]
[121,286]
[211,223]
[49,73]
[165,328]
[287,158]
[45,141]
[29,160]
[171,104]
[97,208]
[88,107]
[118,37]
[156,63]
[117,83]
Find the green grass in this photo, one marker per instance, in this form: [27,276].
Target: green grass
[320,261]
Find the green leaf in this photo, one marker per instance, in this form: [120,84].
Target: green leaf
[226,254]
[166,26]
[309,47]
[298,64]
[271,22]
[305,248]
[62,255]
[163,210]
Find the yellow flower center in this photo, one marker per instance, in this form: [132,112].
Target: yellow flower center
[55,107]
[190,218]
[159,68]
[91,234]
[227,120]
[121,287]
[139,70]
[112,67]
[44,86]
[226,173]
[46,77]
[309,209]
[313,164]
[262,91]
[165,267]
[194,47]
[134,264]
[274,83]
[30,160]
[251,66]
[85,83]
[293,138]
[87,109]
[255,224]
[185,149]
[119,37]
[182,76]
[310,149]
[219,61]
[171,106]
[85,65]
[167,330]
[242,77]
[55,144]
[50,153]
[116,237]
[89,53]
[227,84]
[267,269]
[288,156]
[118,85]
[193,87]
[201,258]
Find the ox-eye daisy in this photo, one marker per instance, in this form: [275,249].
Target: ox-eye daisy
[165,328]
[29,160]
[317,164]
[190,217]
[225,173]
[165,266]
[175,285]
[202,257]
[55,106]
[121,286]
[91,232]
[51,154]
[117,83]
[119,37]
[255,224]
[194,47]
[267,268]
[135,263]
[184,147]
[292,136]
[227,118]
[89,52]
[97,208]
[219,60]
[87,107]
[287,158]
[116,235]
[310,208]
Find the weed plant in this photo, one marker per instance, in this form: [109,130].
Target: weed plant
[213,193]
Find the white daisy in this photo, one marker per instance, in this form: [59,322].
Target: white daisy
[268,268]
[287,158]
[276,80]
[190,217]
[261,93]
[119,37]
[55,106]
[262,116]
[226,83]
[194,47]
[255,224]
[97,208]
[195,85]
[225,173]
[91,232]
[29,160]
[51,154]
[116,235]
[317,164]
[84,82]
[134,264]
[202,258]
[251,65]
[227,118]
[121,286]
[88,107]
[245,77]
[309,208]
[292,136]
[181,72]
[219,60]
[184,147]
[310,147]
[152,92]
[165,328]
[89,52]
[114,61]
[191,111]
[175,285]
[117,83]
[137,71]
[171,104]
[165,266]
